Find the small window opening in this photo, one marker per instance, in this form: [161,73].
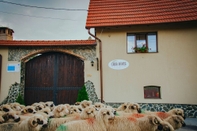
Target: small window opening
[152,92]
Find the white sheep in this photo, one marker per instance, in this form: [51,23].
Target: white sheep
[77,103]
[166,126]
[60,111]
[133,107]
[128,108]
[47,111]
[164,115]
[28,109]
[176,121]
[39,106]
[33,123]
[88,112]
[177,111]
[85,103]
[3,117]
[75,110]
[122,107]
[16,106]
[13,116]
[99,123]
[99,105]
[145,123]
[49,104]
[5,108]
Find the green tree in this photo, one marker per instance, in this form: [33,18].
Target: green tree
[82,95]
[20,99]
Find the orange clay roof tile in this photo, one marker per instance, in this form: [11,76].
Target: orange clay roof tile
[104,13]
[46,43]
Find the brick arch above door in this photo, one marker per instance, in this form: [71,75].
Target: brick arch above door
[32,54]
[19,53]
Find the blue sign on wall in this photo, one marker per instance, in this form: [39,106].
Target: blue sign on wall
[13,68]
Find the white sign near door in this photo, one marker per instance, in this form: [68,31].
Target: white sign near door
[118,64]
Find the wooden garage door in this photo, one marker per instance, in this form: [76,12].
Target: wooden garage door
[53,77]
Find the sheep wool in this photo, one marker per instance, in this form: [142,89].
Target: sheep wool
[124,123]
[176,121]
[92,124]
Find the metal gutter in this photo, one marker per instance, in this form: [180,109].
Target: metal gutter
[101,67]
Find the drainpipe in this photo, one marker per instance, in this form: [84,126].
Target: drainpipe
[101,68]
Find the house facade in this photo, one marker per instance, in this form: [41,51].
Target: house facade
[148,52]
[144,54]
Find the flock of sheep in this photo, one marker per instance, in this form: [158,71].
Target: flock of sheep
[86,116]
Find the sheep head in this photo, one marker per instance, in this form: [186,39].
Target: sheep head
[177,111]
[133,108]
[85,103]
[176,121]
[88,112]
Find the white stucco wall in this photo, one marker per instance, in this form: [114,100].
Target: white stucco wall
[173,67]
[7,78]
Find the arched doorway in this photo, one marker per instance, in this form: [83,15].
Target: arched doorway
[53,76]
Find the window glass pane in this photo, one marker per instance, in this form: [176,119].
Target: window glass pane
[130,43]
[140,43]
[152,43]
[141,40]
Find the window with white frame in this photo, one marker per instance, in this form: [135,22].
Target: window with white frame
[142,42]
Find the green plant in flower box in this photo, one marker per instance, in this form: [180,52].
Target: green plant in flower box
[142,49]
